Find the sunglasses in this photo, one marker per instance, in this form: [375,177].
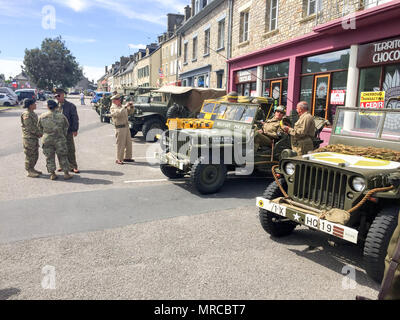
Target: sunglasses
[57,96]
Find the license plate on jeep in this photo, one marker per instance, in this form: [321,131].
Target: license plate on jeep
[309,220]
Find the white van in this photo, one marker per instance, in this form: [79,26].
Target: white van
[9,92]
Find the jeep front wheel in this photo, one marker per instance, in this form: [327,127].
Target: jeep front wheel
[208,178]
[377,241]
[271,222]
[171,172]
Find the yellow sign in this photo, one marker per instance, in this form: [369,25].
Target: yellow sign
[372,99]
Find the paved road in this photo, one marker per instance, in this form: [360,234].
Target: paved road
[117,232]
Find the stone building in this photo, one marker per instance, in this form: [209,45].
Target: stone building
[168,71]
[203,45]
[147,66]
[324,54]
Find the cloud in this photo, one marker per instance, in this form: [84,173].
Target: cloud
[93,73]
[128,8]
[136,46]
[10,67]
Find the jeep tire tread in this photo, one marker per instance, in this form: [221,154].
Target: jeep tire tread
[270,221]
[171,172]
[215,173]
[377,241]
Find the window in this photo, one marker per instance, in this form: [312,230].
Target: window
[207,42]
[273,22]
[220,78]
[322,76]
[244,26]
[275,82]
[313,6]
[381,78]
[221,34]
[194,53]
[185,52]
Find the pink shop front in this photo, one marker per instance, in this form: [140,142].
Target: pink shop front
[328,67]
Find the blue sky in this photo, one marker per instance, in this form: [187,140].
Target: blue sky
[98,32]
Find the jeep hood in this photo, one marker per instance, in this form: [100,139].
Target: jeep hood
[359,164]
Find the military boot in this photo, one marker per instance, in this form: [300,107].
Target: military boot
[32,174]
[37,171]
[67,176]
[53,176]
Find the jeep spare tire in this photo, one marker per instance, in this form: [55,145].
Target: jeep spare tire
[151,128]
[271,222]
[377,242]
[208,178]
[177,111]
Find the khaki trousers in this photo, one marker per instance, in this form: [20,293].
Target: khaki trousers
[302,147]
[124,143]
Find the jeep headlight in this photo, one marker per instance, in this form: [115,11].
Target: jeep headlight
[289,168]
[358,184]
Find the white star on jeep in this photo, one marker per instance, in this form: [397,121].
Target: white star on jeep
[296,217]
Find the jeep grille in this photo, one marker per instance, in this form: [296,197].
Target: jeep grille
[322,187]
[176,145]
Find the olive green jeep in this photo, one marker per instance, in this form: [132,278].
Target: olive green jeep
[207,155]
[348,189]
[153,110]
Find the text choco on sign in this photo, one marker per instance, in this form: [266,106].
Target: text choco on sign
[378,53]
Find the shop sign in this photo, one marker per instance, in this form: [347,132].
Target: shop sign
[378,53]
[372,99]
[337,97]
[246,75]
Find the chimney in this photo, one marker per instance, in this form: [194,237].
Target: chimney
[106,68]
[193,9]
[188,12]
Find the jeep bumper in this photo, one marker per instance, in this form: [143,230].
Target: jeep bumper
[309,220]
[170,159]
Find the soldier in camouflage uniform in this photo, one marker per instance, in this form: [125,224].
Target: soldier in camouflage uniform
[54,127]
[270,130]
[30,137]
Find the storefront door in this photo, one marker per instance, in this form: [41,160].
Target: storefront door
[320,95]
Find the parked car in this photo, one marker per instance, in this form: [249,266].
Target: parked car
[10,92]
[6,100]
[48,95]
[99,95]
[26,94]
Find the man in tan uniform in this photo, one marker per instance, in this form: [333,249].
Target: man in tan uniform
[119,116]
[303,131]
[270,129]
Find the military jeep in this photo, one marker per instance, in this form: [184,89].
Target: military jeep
[151,116]
[207,155]
[348,189]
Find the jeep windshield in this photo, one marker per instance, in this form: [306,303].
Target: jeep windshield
[383,124]
[241,113]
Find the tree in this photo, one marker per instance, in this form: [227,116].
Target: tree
[52,65]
